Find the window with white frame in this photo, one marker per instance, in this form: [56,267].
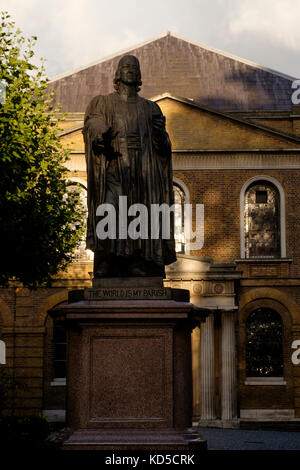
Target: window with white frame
[59,350]
[179,200]
[262,220]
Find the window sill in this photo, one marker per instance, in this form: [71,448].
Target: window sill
[265,381]
[58,382]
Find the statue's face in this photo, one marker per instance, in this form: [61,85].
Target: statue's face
[130,70]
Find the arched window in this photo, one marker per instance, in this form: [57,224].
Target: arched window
[264,350]
[81,253]
[179,200]
[262,220]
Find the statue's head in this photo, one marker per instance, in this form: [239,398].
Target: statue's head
[128,72]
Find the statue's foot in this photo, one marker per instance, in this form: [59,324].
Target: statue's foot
[136,271]
[104,270]
[159,271]
[154,269]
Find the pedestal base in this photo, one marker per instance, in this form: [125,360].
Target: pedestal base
[163,440]
[129,377]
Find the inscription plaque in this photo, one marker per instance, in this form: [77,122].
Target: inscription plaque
[138,293]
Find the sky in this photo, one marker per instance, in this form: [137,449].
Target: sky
[73,33]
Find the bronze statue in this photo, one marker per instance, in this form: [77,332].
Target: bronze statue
[128,153]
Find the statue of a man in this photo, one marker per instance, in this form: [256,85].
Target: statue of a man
[128,153]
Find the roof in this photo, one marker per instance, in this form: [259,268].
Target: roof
[172,64]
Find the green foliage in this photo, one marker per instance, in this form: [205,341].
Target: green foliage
[40,226]
[26,432]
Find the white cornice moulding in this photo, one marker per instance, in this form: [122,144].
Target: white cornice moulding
[235,161]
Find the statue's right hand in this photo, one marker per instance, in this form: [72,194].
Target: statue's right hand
[108,135]
[103,144]
[98,145]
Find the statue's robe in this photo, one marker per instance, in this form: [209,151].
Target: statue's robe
[135,162]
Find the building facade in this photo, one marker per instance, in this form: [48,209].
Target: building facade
[235,137]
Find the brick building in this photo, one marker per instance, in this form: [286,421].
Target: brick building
[236,150]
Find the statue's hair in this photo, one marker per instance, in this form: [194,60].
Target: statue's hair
[117,78]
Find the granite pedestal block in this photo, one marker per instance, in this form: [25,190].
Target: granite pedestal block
[129,378]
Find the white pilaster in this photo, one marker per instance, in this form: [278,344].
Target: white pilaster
[228,367]
[208,372]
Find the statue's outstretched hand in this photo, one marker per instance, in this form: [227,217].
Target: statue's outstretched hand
[108,136]
[159,123]
[160,136]
[102,144]
[98,145]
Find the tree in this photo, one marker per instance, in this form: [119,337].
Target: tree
[41,222]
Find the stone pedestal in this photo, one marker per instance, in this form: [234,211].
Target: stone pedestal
[129,367]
